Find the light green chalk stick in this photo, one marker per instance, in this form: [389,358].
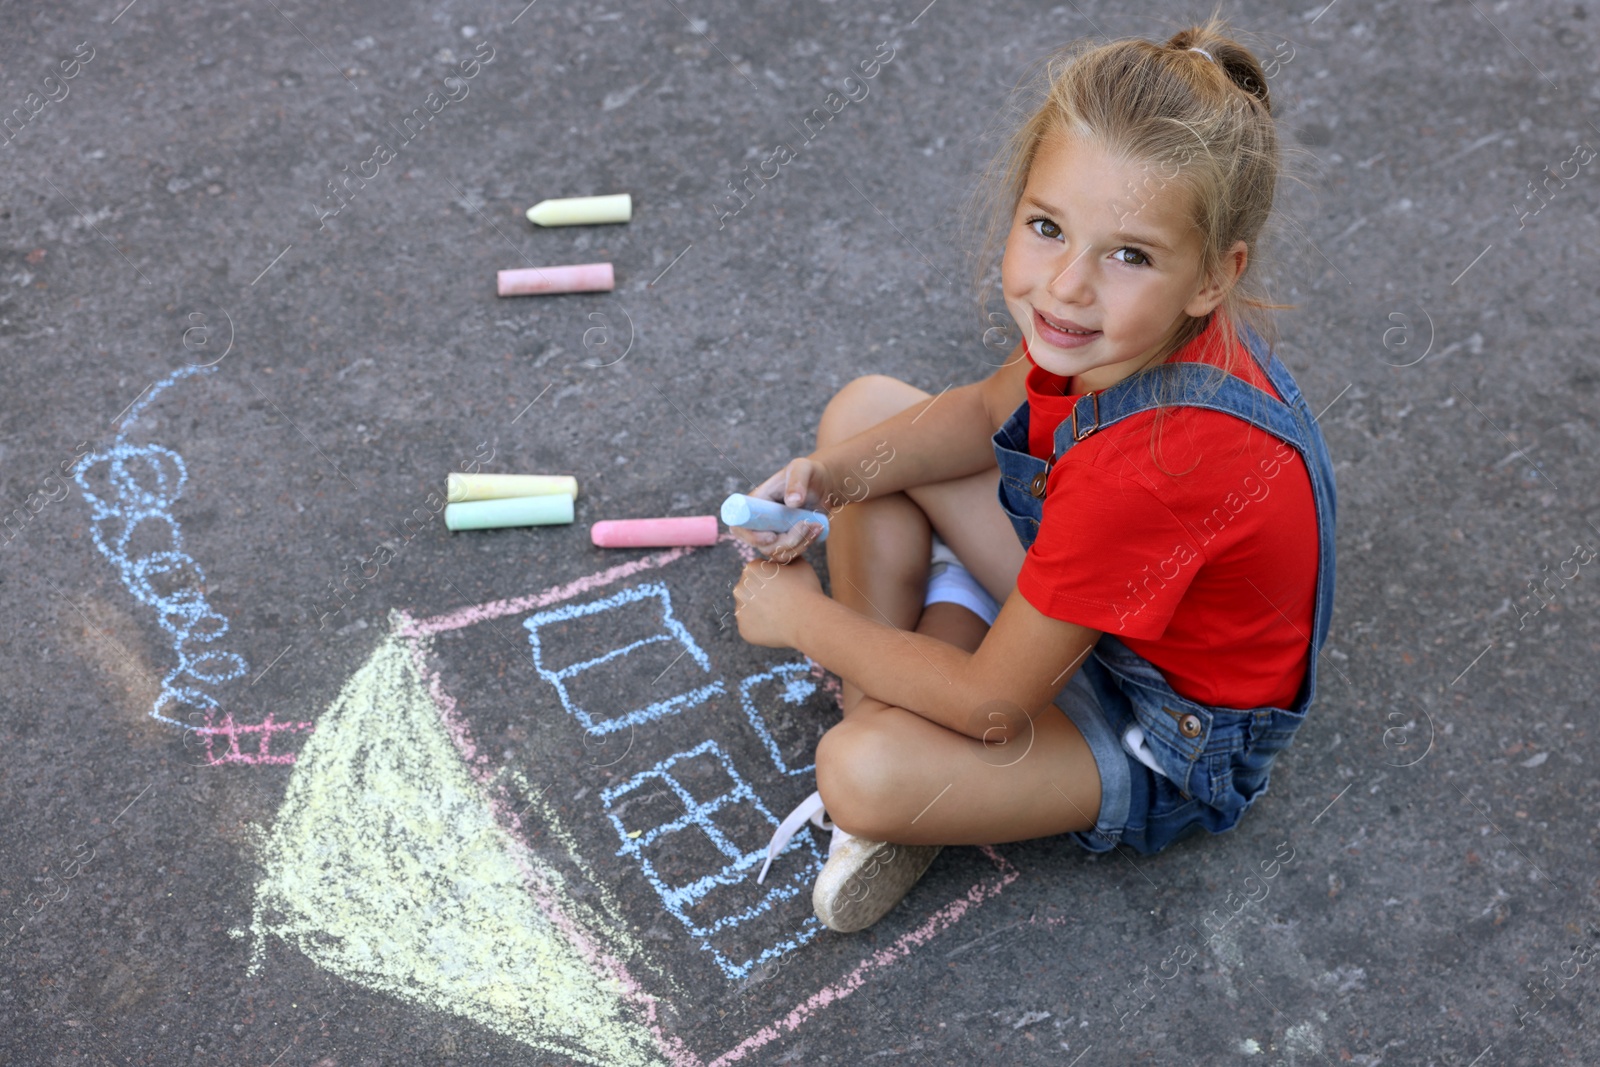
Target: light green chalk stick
[582,210]
[552,510]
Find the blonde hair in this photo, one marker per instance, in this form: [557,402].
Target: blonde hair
[1198,109]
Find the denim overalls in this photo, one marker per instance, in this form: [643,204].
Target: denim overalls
[1215,761]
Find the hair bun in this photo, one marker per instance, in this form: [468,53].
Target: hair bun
[1231,57]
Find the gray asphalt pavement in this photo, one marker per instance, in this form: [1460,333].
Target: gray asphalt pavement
[294,776]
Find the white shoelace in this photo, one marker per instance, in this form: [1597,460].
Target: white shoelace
[809,810]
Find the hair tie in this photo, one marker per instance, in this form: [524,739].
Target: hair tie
[1203,52]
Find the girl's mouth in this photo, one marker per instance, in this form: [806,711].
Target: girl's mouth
[1062,333]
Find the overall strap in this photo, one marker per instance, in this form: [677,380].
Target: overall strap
[1194,385]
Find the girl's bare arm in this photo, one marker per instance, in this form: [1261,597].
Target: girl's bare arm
[1025,660]
[938,439]
[943,437]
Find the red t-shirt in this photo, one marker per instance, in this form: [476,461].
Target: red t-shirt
[1209,574]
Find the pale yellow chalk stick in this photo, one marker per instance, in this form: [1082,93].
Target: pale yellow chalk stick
[582,210]
[462,487]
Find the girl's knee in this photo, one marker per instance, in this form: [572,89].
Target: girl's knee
[862,403]
[854,772]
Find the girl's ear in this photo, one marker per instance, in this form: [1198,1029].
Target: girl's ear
[1216,287]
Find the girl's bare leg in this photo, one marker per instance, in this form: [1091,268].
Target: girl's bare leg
[878,548]
[887,773]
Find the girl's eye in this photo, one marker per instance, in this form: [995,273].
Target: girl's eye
[1045,228]
[1142,260]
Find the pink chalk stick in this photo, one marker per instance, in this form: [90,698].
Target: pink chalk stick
[655,533]
[582,278]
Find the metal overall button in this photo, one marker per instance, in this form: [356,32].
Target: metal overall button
[1189,724]
[1042,479]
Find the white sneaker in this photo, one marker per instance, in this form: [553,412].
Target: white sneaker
[862,880]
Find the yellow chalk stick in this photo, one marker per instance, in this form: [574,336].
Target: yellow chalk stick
[582,210]
[462,487]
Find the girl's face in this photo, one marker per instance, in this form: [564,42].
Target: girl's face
[1103,262]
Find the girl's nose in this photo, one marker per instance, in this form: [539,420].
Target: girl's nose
[1071,285]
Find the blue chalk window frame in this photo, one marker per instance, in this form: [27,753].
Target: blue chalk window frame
[674,631]
[738,870]
[799,686]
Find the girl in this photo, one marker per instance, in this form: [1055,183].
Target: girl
[1138,509]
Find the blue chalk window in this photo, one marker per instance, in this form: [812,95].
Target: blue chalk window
[655,667]
[699,835]
[791,685]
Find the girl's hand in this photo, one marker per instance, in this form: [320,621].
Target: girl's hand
[802,483]
[768,598]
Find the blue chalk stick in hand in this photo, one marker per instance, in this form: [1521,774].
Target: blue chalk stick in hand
[754,513]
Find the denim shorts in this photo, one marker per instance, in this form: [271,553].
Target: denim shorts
[1141,807]
[1146,810]
[1080,704]
[1138,807]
